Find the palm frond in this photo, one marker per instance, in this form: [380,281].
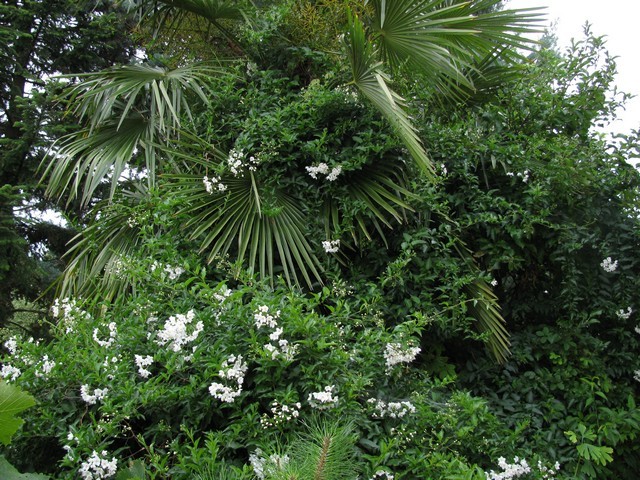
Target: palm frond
[127,108]
[369,78]
[157,92]
[80,162]
[379,187]
[212,10]
[485,310]
[93,270]
[443,40]
[266,235]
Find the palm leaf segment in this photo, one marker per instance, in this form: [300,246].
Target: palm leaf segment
[370,79]
[444,41]
[128,109]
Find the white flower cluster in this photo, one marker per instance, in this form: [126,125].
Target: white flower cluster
[263,318]
[323,168]
[609,265]
[92,398]
[97,467]
[71,438]
[68,312]
[175,332]
[323,399]
[9,372]
[11,345]
[636,375]
[223,294]
[213,184]
[396,353]
[45,367]
[142,363]
[233,372]
[520,467]
[113,331]
[172,272]
[624,315]
[391,409]
[263,466]
[278,347]
[382,475]
[281,414]
[523,175]
[237,162]
[331,246]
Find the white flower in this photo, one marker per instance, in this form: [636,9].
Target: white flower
[314,170]
[622,315]
[282,414]
[391,409]
[396,353]
[97,467]
[141,363]
[10,372]
[494,283]
[323,399]
[382,475]
[175,332]
[223,294]
[335,171]
[12,345]
[68,312]
[92,398]
[112,335]
[233,368]
[524,176]
[331,246]
[173,272]
[609,265]
[518,468]
[263,318]
[276,334]
[263,466]
[46,366]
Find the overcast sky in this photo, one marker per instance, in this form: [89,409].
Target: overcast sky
[619,21]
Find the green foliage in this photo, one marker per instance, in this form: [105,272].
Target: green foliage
[187,348]
[9,473]
[12,402]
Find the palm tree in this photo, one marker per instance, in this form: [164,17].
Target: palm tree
[142,115]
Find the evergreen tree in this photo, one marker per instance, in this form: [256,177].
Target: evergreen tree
[38,40]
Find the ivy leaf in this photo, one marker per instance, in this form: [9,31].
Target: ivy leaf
[12,401]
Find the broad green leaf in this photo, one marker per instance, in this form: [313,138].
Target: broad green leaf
[8,472]
[12,402]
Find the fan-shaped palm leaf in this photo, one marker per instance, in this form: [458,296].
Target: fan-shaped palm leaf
[239,222]
[93,269]
[379,188]
[127,108]
[484,308]
[444,39]
[373,83]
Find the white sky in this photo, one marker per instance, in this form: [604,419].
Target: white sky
[618,20]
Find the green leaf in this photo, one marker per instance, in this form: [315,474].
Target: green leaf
[444,40]
[135,471]
[369,78]
[8,472]
[12,402]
